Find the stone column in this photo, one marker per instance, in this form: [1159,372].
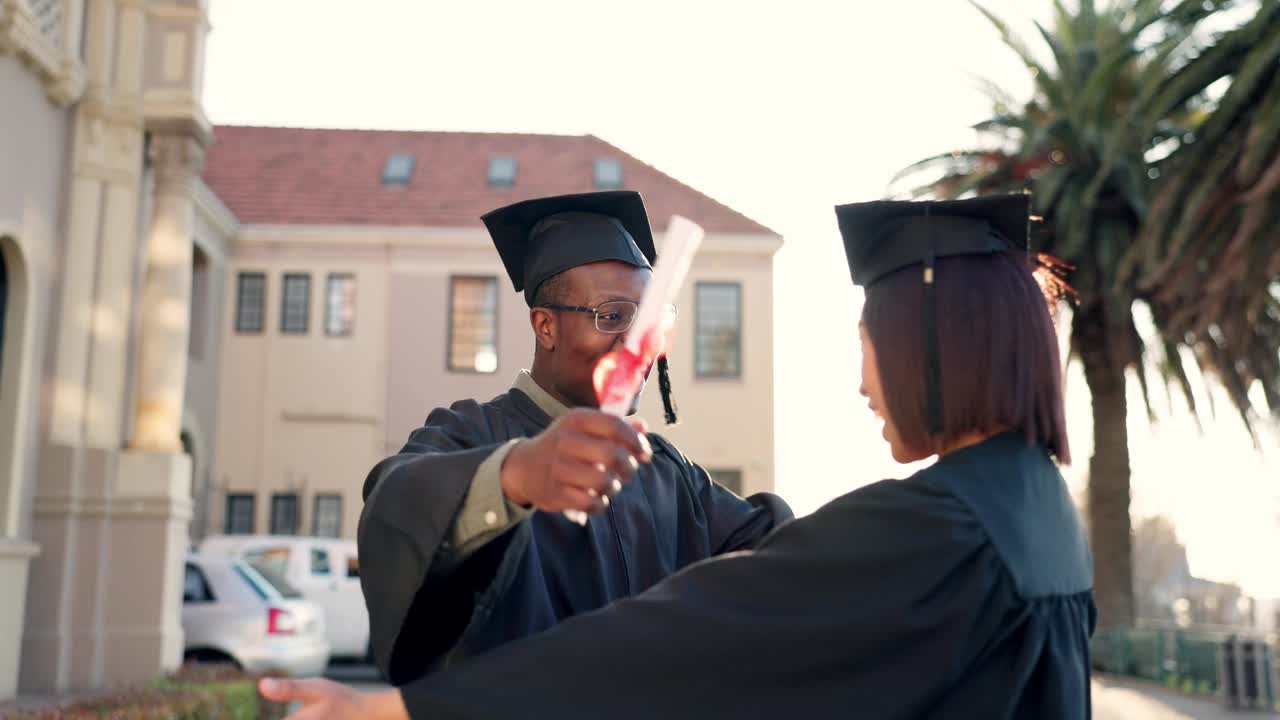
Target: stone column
[151,506]
[166,295]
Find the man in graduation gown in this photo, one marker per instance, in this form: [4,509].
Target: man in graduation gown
[963,591]
[463,546]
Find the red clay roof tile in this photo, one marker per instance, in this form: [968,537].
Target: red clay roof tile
[307,176]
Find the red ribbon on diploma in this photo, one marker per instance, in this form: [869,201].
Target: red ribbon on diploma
[620,373]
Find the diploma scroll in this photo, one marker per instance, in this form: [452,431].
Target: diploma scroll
[620,374]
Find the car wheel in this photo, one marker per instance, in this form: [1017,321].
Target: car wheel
[206,656]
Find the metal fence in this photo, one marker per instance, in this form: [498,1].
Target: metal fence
[1193,660]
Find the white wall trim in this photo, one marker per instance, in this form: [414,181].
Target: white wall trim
[329,236]
[321,418]
[18,549]
[209,207]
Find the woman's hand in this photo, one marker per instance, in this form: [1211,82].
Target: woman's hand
[328,700]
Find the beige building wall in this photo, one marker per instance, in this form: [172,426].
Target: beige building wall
[418,378]
[309,414]
[34,143]
[84,85]
[303,413]
[725,423]
[215,227]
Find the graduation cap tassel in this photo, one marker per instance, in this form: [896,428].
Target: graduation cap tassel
[933,366]
[664,386]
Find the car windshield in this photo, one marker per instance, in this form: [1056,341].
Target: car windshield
[266,583]
[274,558]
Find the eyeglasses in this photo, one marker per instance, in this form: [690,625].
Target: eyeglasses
[612,317]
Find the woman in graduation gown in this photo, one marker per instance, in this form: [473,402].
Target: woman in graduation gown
[963,591]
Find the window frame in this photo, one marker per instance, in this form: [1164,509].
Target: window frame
[502,182]
[398,179]
[284,303]
[318,551]
[315,514]
[607,162]
[240,329]
[209,596]
[449,336]
[328,307]
[713,472]
[252,499]
[698,372]
[297,520]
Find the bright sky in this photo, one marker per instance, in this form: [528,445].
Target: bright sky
[780,112]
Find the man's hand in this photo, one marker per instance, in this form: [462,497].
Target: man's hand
[325,699]
[585,457]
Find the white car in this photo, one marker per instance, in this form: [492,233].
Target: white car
[325,570]
[233,612]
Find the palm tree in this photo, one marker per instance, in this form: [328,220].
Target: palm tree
[1152,149]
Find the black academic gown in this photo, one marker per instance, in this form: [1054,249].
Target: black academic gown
[961,592]
[427,610]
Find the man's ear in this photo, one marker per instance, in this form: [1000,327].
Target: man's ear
[545,328]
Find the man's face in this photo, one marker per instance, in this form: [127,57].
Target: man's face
[578,344]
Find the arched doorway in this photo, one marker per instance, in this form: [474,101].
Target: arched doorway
[4,303]
[195,529]
[14,391]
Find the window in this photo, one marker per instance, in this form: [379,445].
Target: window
[730,479]
[608,174]
[295,304]
[266,583]
[320,562]
[473,324]
[275,559]
[502,172]
[284,514]
[340,304]
[251,292]
[198,323]
[327,521]
[239,518]
[195,588]
[719,330]
[398,170]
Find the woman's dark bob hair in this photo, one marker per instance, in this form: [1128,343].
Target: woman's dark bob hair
[997,347]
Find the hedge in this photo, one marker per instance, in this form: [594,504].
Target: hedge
[192,693]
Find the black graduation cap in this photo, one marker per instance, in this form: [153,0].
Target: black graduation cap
[541,238]
[884,236]
[880,237]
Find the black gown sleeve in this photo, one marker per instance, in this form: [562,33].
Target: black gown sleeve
[411,499]
[872,607]
[734,523]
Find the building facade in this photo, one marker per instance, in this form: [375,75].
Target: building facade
[364,292]
[102,234]
[222,329]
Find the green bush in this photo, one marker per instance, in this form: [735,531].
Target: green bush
[192,693]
